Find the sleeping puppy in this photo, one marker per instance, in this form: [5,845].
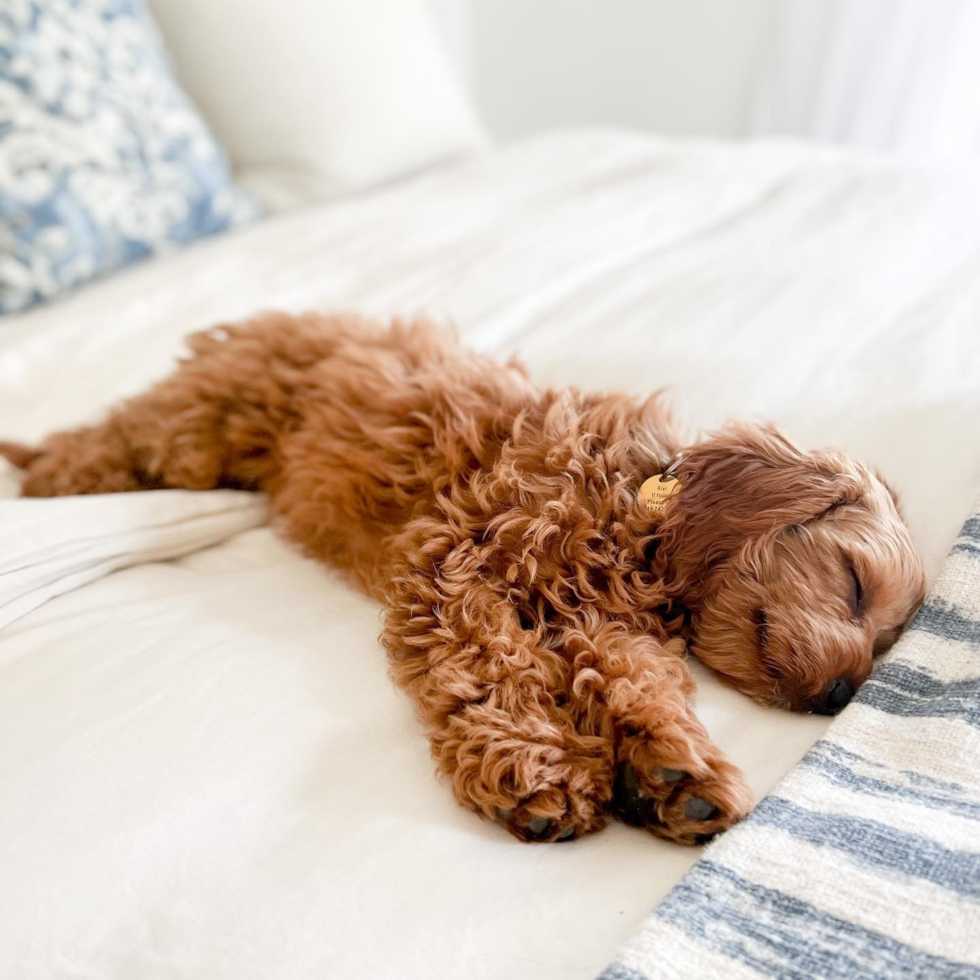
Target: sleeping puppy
[538,606]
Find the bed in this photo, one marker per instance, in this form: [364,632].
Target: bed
[204,769]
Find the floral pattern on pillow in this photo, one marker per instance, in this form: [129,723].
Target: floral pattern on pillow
[103,158]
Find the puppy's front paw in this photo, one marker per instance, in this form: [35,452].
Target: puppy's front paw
[684,800]
[560,812]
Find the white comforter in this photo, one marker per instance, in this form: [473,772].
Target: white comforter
[204,771]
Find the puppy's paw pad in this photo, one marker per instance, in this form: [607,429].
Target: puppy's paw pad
[698,809]
[538,827]
[523,826]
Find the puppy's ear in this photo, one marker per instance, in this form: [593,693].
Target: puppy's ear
[745,482]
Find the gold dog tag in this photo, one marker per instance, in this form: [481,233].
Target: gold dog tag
[656,492]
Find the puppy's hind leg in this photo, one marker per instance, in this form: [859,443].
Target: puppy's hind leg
[93,459]
[145,444]
[214,422]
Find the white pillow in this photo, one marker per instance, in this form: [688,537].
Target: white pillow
[313,98]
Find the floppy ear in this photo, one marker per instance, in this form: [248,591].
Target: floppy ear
[745,482]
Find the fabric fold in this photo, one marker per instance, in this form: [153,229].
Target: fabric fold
[52,546]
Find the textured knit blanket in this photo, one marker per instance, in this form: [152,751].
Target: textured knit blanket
[864,862]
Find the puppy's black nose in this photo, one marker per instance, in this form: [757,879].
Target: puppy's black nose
[833,697]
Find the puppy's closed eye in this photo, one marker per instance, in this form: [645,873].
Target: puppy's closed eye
[855,592]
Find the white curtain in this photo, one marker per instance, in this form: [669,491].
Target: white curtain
[899,75]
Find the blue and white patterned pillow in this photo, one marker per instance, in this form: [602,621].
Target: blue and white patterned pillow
[103,158]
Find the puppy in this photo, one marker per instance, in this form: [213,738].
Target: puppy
[536,610]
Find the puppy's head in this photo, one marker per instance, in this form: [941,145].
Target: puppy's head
[796,566]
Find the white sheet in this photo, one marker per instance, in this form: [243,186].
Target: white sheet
[204,770]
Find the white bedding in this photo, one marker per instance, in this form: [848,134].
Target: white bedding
[204,771]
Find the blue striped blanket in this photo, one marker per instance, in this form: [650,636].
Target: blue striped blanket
[864,863]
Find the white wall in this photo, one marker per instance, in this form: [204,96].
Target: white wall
[675,66]
[900,76]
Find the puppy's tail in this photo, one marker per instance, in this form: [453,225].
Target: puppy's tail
[20,455]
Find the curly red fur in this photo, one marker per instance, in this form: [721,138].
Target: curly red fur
[534,610]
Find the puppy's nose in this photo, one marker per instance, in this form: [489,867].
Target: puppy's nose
[833,697]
